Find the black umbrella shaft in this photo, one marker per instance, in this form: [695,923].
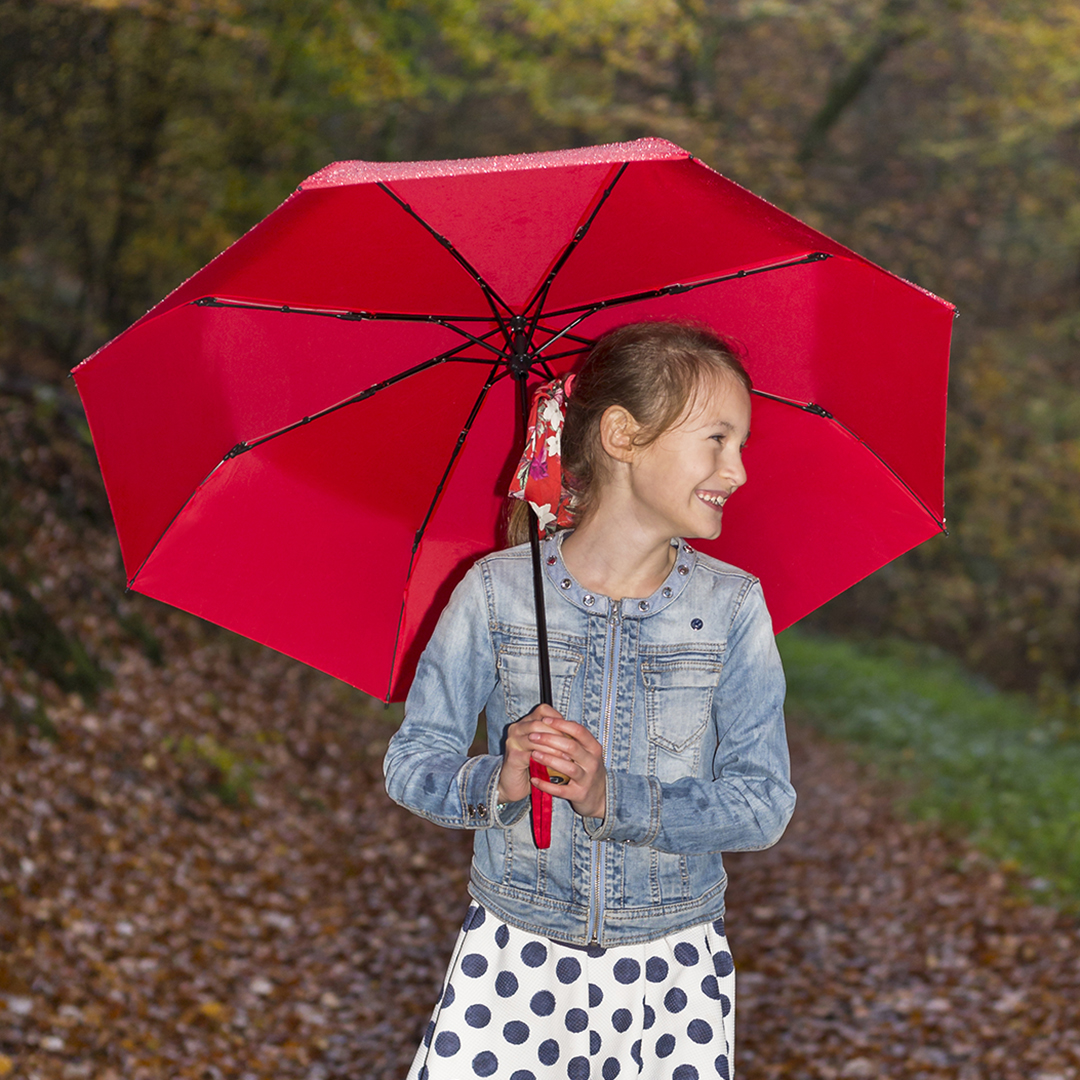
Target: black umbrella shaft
[538,572]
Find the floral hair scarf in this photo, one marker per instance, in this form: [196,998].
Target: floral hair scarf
[539,477]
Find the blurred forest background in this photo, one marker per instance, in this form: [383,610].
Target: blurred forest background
[941,138]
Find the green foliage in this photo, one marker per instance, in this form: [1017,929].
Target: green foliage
[986,762]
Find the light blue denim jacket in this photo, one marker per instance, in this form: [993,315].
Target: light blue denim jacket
[683,689]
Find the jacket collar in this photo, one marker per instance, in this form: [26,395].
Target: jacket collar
[598,604]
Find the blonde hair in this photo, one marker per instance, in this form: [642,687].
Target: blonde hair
[651,369]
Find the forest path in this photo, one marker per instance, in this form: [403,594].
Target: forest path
[203,877]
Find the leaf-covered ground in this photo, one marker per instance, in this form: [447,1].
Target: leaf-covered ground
[200,874]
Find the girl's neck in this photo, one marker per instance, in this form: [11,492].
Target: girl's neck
[608,558]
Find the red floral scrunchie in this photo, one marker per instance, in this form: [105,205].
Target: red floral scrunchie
[539,477]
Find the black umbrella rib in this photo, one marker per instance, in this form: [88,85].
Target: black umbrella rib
[541,293]
[492,378]
[363,395]
[585,310]
[347,316]
[495,301]
[817,410]
[449,322]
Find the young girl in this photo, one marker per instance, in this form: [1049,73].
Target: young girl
[604,955]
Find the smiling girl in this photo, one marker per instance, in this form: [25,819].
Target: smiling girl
[605,955]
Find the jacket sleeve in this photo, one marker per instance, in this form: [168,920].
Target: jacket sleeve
[749,800]
[427,766]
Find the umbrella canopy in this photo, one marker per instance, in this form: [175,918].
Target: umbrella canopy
[311,439]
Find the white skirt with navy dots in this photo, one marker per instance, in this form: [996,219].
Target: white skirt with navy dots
[515,1006]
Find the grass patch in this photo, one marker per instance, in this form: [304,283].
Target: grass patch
[974,758]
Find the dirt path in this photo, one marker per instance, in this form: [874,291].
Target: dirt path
[869,947]
[202,877]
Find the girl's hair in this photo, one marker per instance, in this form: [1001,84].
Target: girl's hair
[651,369]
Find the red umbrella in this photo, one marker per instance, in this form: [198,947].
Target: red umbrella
[311,439]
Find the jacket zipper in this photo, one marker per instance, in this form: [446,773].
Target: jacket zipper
[607,707]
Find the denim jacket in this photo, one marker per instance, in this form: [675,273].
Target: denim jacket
[683,689]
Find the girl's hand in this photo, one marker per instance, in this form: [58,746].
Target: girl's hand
[514,777]
[570,749]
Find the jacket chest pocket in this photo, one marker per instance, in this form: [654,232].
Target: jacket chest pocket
[519,673]
[678,700]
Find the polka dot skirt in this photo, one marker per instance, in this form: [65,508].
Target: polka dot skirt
[520,1007]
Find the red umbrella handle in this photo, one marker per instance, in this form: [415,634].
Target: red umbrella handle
[541,808]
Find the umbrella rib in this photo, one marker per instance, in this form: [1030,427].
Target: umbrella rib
[817,410]
[341,313]
[449,322]
[541,293]
[495,301]
[671,290]
[492,378]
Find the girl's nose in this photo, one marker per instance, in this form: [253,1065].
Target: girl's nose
[733,470]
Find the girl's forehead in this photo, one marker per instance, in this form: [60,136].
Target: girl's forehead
[715,395]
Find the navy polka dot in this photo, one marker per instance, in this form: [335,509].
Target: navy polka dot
[665,1045]
[424,1073]
[429,1031]
[474,965]
[656,969]
[548,1052]
[710,987]
[543,1003]
[477,1016]
[718,926]
[485,1063]
[594,1043]
[534,954]
[621,1019]
[611,1069]
[502,936]
[516,1032]
[686,954]
[635,1053]
[523,1074]
[725,1004]
[447,1044]
[685,1072]
[596,995]
[448,997]
[626,970]
[675,1000]
[650,1017]
[506,984]
[475,918]
[578,1068]
[699,1031]
[722,1068]
[567,969]
[594,952]
[577,1020]
[723,964]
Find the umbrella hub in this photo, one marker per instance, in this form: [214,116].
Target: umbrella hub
[522,354]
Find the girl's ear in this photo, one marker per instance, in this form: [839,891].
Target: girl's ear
[618,429]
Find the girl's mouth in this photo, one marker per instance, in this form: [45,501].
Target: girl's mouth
[713,498]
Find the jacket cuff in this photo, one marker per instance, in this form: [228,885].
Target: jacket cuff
[478,785]
[627,793]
